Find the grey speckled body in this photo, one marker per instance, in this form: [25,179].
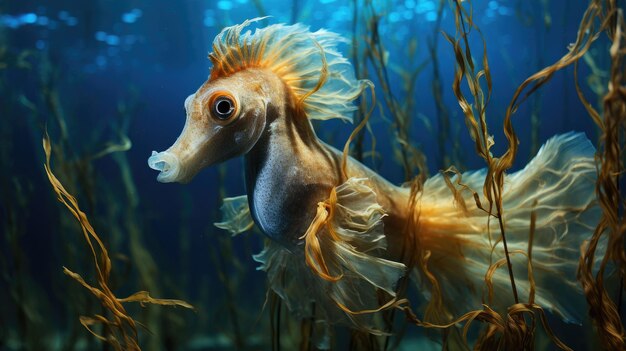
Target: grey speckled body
[289,170]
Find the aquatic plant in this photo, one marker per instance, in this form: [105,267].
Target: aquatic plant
[513,329]
[610,159]
[411,158]
[77,172]
[142,259]
[22,316]
[41,314]
[544,17]
[232,276]
[21,293]
[120,329]
[443,114]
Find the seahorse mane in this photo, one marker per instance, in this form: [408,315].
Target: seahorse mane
[321,79]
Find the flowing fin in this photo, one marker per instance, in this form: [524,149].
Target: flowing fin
[349,244]
[558,186]
[321,79]
[357,221]
[236,216]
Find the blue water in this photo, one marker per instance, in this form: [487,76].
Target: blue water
[102,56]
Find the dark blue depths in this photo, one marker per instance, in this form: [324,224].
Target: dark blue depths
[122,70]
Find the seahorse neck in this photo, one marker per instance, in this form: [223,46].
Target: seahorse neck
[280,166]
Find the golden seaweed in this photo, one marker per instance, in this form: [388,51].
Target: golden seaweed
[602,308]
[120,328]
[411,158]
[494,180]
[517,328]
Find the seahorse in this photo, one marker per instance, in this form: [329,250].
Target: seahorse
[341,236]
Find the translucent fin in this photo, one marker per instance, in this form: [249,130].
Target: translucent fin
[558,185]
[357,221]
[321,79]
[351,245]
[302,292]
[236,216]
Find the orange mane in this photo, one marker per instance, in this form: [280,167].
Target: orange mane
[308,62]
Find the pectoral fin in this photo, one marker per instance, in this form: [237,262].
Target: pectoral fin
[236,216]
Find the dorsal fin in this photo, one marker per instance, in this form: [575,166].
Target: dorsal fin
[321,79]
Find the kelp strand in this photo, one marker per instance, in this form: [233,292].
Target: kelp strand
[443,115]
[410,156]
[494,180]
[122,328]
[515,332]
[609,163]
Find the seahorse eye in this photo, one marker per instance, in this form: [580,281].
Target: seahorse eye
[222,106]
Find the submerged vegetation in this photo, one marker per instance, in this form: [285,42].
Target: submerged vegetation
[230,300]
[120,329]
[516,330]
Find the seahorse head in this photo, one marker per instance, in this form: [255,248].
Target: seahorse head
[253,73]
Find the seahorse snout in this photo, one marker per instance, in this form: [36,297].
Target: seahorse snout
[167,164]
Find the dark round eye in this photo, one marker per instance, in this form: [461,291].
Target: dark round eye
[223,108]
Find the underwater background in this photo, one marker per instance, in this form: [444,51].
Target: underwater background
[107,81]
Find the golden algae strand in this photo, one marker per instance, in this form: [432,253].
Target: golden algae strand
[609,158]
[516,328]
[409,156]
[494,180]
[120,328]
